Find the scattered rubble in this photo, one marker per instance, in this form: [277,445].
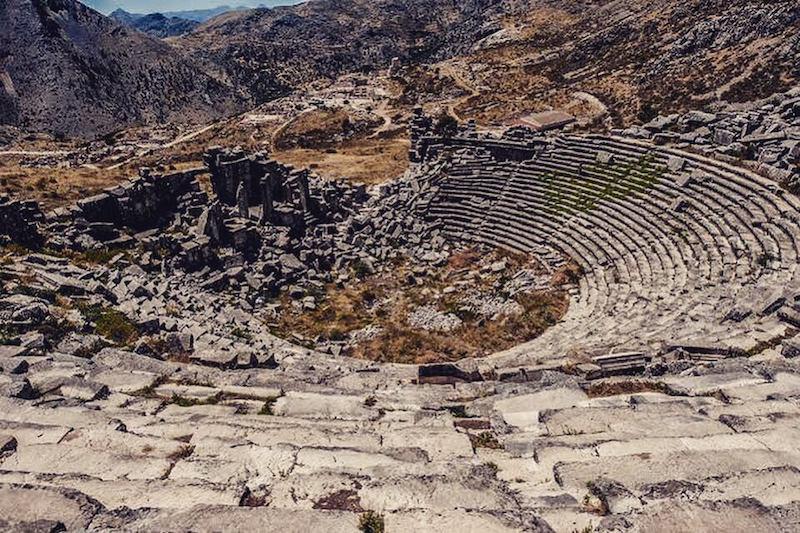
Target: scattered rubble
[763,136]
[142,387]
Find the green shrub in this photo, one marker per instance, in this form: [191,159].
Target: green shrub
[446,125]
[242,334]
[266,409]
[361,269]
[371,522]
[110,323]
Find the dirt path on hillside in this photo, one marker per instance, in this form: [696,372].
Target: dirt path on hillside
[448,70]
[175,142]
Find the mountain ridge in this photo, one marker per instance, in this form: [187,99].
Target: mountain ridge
[637,58]
[74,72]
[155,24]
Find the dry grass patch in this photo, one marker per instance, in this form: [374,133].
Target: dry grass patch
[320,128]
[53,186]
[385,301]
[367,161]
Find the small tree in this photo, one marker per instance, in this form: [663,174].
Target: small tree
[446,124]
[371,522]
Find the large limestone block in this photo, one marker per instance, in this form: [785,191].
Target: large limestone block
[438,444]
[310,460]
[678,444]
[166,493]
[430,493]
[126,444]
[784,384]
[126,382]
[634,471]
[28,503]
[174,412]
[63,459]
[257,393]
[16,411]
[424,521]
[188,392]
[253,465]
[308,491]
[119,360]
[293,433]
[216,358]
[324,406]
[523,411]
[83,389]
[658,420]
[710,383]
[50,379]
[772,486]
[209,470]
[227,519]
[672,516]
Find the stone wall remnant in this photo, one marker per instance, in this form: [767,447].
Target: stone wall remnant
[18,221]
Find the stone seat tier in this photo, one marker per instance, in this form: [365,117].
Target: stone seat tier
[640,255]
[703,201]
[738,187]
[750,239]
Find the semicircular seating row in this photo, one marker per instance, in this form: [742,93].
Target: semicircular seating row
[669,242]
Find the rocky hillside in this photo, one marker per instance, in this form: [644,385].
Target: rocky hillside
[271,51]
[639,57]
[66,69]
[69,70]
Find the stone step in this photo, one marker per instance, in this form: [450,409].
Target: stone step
[231,518]
[635,472]
[47,506]
[156,493]
[671,419]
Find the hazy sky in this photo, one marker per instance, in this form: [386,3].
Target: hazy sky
[152,6]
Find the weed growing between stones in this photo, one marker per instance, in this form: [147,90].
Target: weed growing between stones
[568,194]
[371,522]
[182,401]
[110,323]
[266,409]
[241,333]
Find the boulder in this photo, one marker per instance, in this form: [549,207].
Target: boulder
[85,390]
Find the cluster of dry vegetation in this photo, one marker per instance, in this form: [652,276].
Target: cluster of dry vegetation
[324,127]
[367,161]
[338,143]
[385,300]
